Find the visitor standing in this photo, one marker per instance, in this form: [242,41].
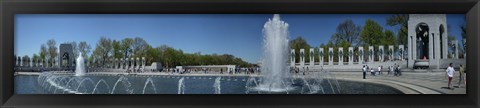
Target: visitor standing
[399,70]
[372,72]
[449,73]
[389,70]
[379,70]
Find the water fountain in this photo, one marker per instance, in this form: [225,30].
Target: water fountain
[80,69]
[275,56]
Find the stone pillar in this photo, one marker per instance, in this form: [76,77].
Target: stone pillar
[340,56]
[126,63]
[144,62]
[119,63]
[401,52]
[350,55]
[132,63]
[107,63]
[371,53]
[445,44]
[115,63]
[47,63]
[292,57]
[30,60]
[391,52]
[436,45]
[312,57]
[23,61]
[455,43]
[138,63]
[361,55]
[410,51]
[381,53]
[44,63]
[430,45]
[20,61]
[320,55]
[40,63]
[129,63]
[34,62]
[302,57]
[112,63]
[330,56]
[26,62]
[122,63]
[414,48]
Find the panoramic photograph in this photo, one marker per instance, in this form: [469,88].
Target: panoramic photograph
[240,54]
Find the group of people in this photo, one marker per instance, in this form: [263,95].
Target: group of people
[250,70]
[392,70]
[296,70]
[450,72]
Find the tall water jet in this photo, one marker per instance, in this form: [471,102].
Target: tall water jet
[80,67]
[217,86]
[275,55]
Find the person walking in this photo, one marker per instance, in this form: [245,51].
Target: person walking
[449,73]
[364,70]
[461,76]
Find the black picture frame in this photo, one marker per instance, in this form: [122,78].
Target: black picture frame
[11,7]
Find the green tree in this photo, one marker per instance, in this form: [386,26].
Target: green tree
[25,60]
[464,34]
[84,48]
[35,57]
[43,52]
[117,52]
[451,46]
[52,49]
[126,47]
[400,20]
[372,33]
[347,31]
[103,50]
[140,47]
[389,38]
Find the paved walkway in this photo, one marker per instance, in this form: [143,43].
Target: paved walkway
[433,81]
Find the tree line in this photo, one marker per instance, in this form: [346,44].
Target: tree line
[107,49]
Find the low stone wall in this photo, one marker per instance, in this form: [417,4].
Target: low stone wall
[456,63]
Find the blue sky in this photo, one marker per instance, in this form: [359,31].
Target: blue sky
[236,34]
